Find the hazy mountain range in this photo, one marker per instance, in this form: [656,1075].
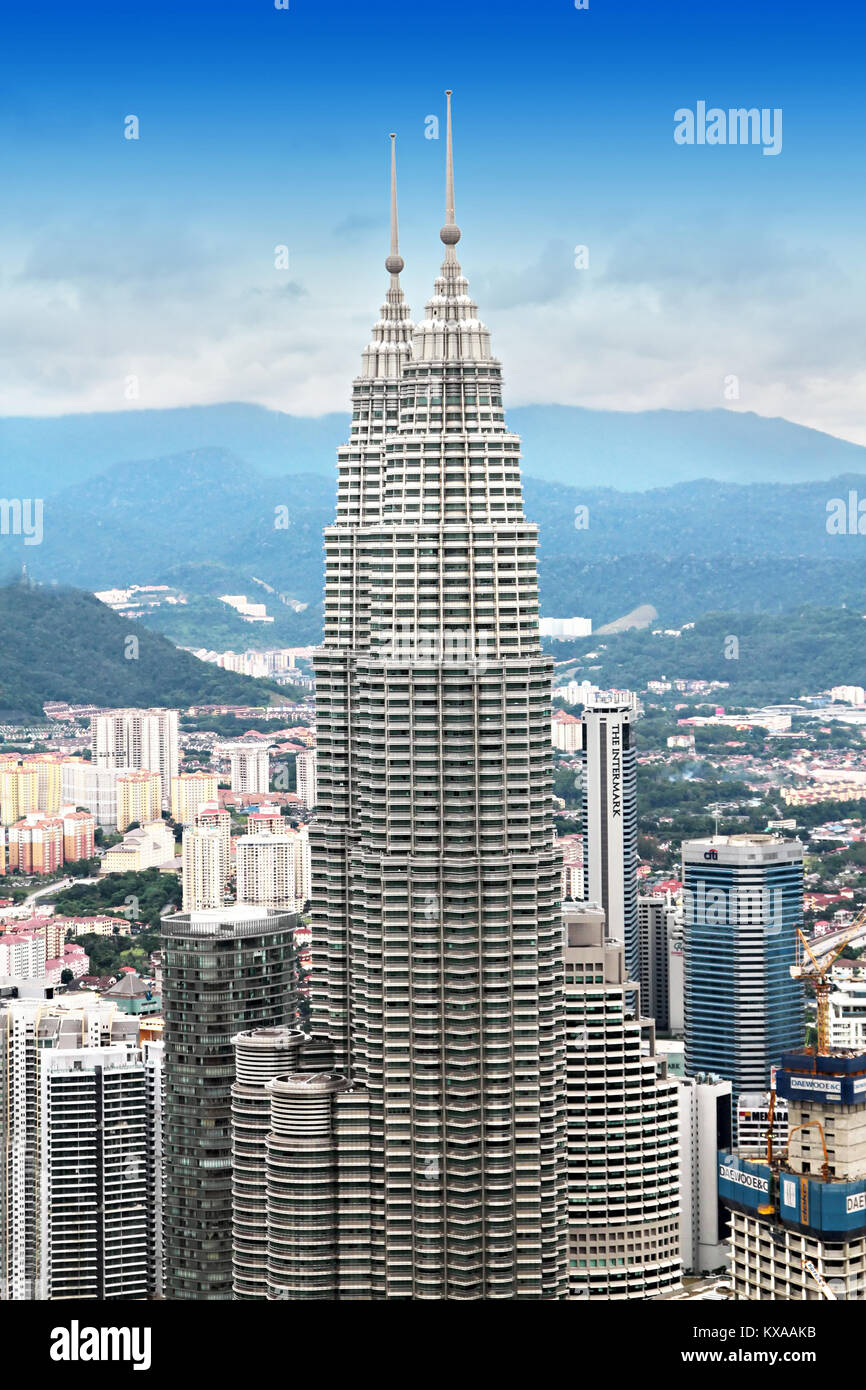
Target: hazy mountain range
[566,444]
[205,518]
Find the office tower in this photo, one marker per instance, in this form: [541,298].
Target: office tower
[623,1140]
[704,1128]
[266,871]
[138,738]
[657,927]
[224,972]
[82,784]
[261,1055]
[305,766]
[36,844]
[204,868]
[139,798]
[79,834]
[31,1029]
[250,766]
[743,902]
[436,939]
[798,1225]
[95,1216]
[189,792]
[610,821]
[753,1119]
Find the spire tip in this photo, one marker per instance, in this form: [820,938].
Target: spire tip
[394,262]
[450,233]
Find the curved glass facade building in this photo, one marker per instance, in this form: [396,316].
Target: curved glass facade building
[743,903]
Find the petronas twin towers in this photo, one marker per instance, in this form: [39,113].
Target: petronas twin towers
[426,1129]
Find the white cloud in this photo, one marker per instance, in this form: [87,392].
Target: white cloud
[655,322]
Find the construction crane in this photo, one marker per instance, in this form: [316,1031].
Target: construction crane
[810,1124]
[819,1279]
[817,973]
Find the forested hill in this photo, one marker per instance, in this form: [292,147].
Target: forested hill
[62,644]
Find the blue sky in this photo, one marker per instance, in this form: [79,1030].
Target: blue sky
[154,259]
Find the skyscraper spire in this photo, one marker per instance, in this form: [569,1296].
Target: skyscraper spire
[394,263]
[451,329]
[450,233]
[389,346]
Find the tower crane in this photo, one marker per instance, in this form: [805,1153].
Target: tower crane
[817,973]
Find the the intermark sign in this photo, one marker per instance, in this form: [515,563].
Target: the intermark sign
[615,771]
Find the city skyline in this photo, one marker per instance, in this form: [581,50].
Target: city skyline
[468,960]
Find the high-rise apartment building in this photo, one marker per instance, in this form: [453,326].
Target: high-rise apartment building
[36,844]
[48,768]
[22,954]
[266,871]
[19,791]
[743,902]
[139,798]
[250,766]
[79,834]
[305,766]
[210,816]
[96,1217]
[437,938]
[847,1015]
[610,821]
[32,1029]
[144,739]
[623,1141]
[28,784]
[223,972]
[204,868]
[189,792]
[96,788]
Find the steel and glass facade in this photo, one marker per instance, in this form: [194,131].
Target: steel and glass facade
[743,902]
[224,971]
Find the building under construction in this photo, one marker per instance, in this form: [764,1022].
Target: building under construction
[798,1218]
[798,1215]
